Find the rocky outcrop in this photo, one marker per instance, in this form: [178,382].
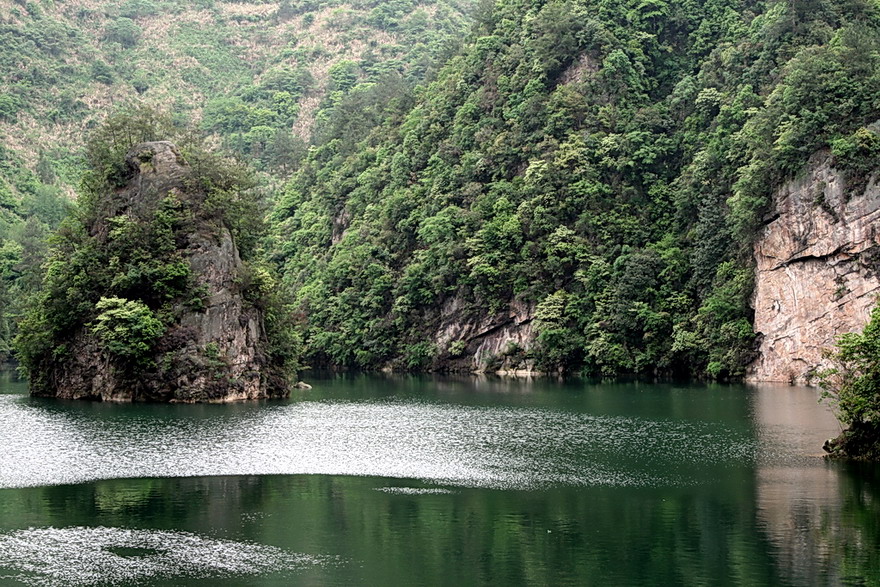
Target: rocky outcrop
[214,347]
[818,270]
[860,441]
[485,344]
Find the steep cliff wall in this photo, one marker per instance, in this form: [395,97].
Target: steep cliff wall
[818,270]
[486,344]
[212,346]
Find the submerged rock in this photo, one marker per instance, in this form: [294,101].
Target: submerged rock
[170,311]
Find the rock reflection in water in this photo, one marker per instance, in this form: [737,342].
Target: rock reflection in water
[813,510]
[386,482]
[381,531]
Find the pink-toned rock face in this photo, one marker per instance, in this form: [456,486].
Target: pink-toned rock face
[817,271]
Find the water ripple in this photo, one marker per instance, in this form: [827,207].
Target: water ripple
[415,490]
[500,447]
[100,555]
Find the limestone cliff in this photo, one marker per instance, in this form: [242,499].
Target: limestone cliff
[214,346]
[818,270]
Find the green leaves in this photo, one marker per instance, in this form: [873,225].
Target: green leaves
[109,143]
[827,93]
[123,31]
[9,107]
[121,269]
[604,161]
[127,328]
[852,385]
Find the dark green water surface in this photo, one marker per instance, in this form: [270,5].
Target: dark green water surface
[419,481]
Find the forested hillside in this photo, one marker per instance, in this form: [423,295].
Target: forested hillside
[601,166]
[256,77]
[583,179]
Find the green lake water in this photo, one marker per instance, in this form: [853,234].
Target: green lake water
[420,481]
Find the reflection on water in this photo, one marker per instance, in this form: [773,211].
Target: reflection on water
[813,511]
[412,481]
[461,536]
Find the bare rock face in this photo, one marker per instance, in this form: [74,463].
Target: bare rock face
[818,271]
[489,344]
[214,351]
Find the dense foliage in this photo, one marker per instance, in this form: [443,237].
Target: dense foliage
[30,208]
[853,384]
[127,328]
[256,73]
[603,162]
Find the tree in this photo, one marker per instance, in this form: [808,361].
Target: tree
[121,276]
[108,144]
[9,106]
[852,386]
[124,31]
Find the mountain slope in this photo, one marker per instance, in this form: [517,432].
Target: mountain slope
[256,68]
[258,76]
[579,189]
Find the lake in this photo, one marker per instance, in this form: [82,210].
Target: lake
[442,481]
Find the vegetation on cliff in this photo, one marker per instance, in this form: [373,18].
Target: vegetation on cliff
[852,386]
[604,163]
[597,167]
[124,281]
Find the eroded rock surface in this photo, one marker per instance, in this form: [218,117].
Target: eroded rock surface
[488,344]
[817,271]
[214,351]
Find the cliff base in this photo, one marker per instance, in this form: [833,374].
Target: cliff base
[858,442]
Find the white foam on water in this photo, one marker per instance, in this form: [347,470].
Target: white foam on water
[415,490]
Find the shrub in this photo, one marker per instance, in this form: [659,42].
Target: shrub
[9,107]
[857,154]
[419,355]
[127,328]
[124,31]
